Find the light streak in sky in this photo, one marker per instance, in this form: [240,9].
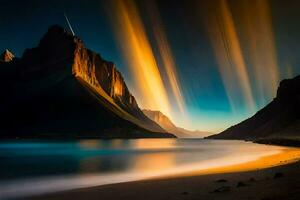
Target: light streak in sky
[255,22]
[227,49]
[166,54]
[136,48]
[69,25]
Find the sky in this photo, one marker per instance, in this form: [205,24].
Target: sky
[206,64]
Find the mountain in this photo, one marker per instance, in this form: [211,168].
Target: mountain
[278,121]
[62,89]
[169,126]
[6,56]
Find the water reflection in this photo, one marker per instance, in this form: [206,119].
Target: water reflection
[31,167]
[153,144]
[25,159]
[154,162]
[89,144]
[114,160]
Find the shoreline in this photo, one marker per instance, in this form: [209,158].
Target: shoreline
[279,141]
[287,156]
[252,176]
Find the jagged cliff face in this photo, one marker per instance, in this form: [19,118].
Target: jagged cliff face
[62,74]
[161,119]
[67,54]
[102,74]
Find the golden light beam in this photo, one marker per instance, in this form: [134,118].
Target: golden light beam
[257,32]
[138,54]
[226,45]
[166,55]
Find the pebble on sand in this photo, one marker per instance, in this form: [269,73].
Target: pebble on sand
[278,175]
[241,184]
[221,181]
[222,189]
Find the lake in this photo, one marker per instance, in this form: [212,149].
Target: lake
[30,167]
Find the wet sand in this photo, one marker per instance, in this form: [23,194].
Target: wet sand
[271,177]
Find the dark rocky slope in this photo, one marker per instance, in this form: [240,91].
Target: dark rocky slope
[278,122]
[62,89]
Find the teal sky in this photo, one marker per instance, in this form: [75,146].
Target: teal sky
[228,60]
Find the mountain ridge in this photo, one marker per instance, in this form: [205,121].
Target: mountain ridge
[280,119]
[169,126]
[84,78]
[6,56]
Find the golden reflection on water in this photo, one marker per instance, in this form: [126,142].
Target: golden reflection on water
[146,157]
[102,144]
[153,143]
[132,160]
[154,162]
[153,159]
[118,143]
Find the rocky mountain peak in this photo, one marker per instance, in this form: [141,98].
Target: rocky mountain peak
[59,50]
[289,88]
[7,56]
[157,116]
[56,33]
[62,66]
[277,122]
[169,126]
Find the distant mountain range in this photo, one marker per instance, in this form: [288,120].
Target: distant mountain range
[169,126]
[277,122]
[62,89]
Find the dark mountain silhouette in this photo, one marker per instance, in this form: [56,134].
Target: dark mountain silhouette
[169,126]
[278,121]
[62,89]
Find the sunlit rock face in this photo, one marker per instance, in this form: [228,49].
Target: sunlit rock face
[162,120]
[61,87]
[69,54]
[7,56]
[100,73]
[280,119]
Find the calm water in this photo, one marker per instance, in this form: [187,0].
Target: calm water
[36,167]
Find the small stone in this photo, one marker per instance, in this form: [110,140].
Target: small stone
[222,189]
[241,184]
[221,181]
[278,175]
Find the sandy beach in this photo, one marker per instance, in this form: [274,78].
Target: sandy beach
[271,177]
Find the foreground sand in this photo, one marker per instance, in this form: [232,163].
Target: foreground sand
[272,177]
